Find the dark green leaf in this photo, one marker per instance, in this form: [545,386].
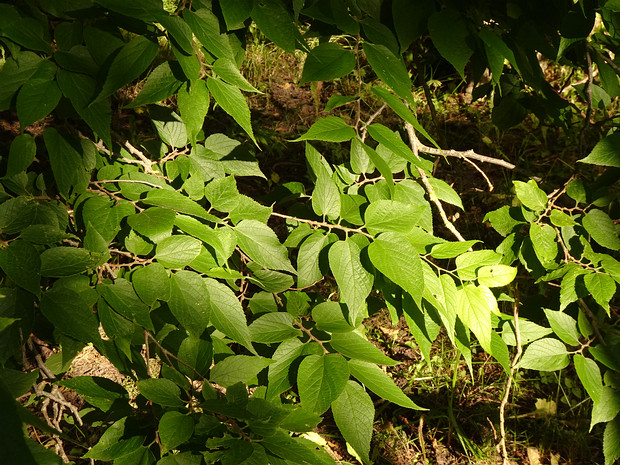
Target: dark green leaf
[160,85]
[193,101]
[274,20]
[273,327]
[21,154]
[161,391]
[122,298]
[327,62]
[174,429]
[133,58]
[21,263]
[590,376]
[178,202]
[71,170]
[330,316]
[391,69]
[449,34]
[64,261]
[70,314]
[155,223]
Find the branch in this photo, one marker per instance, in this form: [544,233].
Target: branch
[606,59]
[464,154]
[502,407]
[320,224]
[370,120]
[413,139]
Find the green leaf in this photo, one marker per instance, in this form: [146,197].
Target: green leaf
[222,193]
[235,13]
[545,354]
[602,287]
[611,441]
[279,371]
[229,72]
[105,215]
[393,142]
[116,450]
[308,269]
[122,298]
[354,414]
[71,172]
[354,281]
[503,220]
[606,152]
[320,380]
[329,129]
[381,165]
[64,261]
[273,327]
[161,391]
[337,100]
[80,89]
[451,249]
[544,241]
[161,84]
[20,261]
[261,244]
[193,102]
[379,382]
[178,202]
[329,316]
[561,219]
[174,429]
[570,290]
[21,154]
[402,110]
[271,281]
[531,195]
[445,192]
[590,376]
[468,263]
[155,223]
[169,126]
[602,229]
[177,251]
[496,275]
[449,33]
[97,391]
[132,59]
[327,62]
[564,326]
[274,20]
[238,369]
[352,345]
[36,99]
[390,69]
[326,197]
[189,301]
[70,315]
[295,449]
[227,314]
[206,27]
[232,102]
[392,255]
[390,215]
[607,407]
[475,305]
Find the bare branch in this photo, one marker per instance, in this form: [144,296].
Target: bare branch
[321,224]
[413,140]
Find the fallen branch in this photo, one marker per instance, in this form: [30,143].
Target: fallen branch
[466,154]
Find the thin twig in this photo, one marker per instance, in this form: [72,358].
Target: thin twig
[321,224]
[589,86]
[364,131]
[606,59]
[413,140]
[310,335]
[134,181]
[484,175]
[515,360]
[590,314]
[169,354]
